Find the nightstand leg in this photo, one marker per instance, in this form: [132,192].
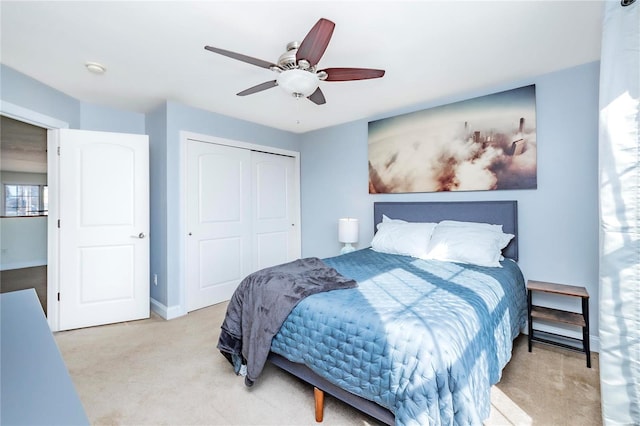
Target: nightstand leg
[585,330]
[529,319]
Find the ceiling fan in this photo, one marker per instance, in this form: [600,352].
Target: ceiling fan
[297,67]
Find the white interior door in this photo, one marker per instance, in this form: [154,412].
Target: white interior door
[218,216]
[104,222]
[274,210]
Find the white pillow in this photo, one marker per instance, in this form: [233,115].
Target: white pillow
[387,219]
[406,238]
[477,225]
[473,245]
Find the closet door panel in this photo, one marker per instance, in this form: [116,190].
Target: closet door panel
[274,202]
[218,222]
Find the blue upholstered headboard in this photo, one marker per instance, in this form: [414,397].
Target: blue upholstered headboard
[503,213]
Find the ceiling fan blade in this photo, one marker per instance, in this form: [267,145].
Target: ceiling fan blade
[317,97]
[259,88]
[241,57]
[315,43]
[347,74]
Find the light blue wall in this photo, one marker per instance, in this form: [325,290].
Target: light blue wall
[25,92]
[23,240]
[104,119]
[334,184]
[558,221]
[156,128]
[30,94]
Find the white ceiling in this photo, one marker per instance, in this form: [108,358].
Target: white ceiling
[154,51]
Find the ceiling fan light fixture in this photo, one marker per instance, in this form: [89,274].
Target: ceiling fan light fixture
[298,82]
[297,67]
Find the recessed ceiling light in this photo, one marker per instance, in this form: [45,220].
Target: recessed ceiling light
[95,67]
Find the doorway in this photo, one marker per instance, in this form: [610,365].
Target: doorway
[23,207]
[103,227]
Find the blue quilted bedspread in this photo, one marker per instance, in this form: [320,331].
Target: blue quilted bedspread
[425,339]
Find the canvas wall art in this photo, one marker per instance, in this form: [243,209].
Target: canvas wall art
[485,143]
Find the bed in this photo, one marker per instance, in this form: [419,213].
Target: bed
[418,341]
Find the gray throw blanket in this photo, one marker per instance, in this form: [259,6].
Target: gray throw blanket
[262,302]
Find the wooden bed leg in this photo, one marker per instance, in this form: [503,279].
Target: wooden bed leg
[318,395]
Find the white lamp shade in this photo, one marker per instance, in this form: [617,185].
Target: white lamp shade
[348,230]
[298,81]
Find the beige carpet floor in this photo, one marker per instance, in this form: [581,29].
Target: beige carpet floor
[157,372]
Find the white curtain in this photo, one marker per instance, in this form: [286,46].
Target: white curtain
[619,156]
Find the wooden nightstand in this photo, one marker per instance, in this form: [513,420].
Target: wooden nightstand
[557,315]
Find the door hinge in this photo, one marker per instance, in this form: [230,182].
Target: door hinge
[58,296]
[58,223]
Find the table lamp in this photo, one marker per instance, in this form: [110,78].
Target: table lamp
[347,233]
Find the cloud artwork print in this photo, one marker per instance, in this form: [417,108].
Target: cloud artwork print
[485,143]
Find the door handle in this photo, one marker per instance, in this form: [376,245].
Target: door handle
[140,235]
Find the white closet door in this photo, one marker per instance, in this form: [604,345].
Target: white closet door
[218,222]
[274,210]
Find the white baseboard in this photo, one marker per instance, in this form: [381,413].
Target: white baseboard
[166,312]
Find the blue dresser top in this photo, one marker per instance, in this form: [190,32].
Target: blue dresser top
[35,384]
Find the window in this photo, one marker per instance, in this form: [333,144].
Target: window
[26,200]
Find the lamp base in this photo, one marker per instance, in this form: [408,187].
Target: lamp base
[348,248]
